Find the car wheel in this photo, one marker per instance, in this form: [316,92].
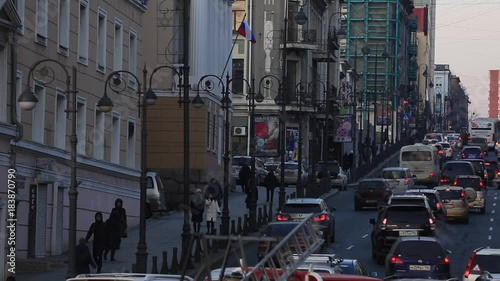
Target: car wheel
[149,213]
[483,210]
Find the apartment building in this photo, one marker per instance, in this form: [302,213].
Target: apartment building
[96,38]
[442,84]
[494,94]
[209,45]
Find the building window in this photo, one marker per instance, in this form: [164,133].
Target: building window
[81,126]
[63,28]
[118,45]
[238,73]
[214,132]
[219,139]
[3,85]
[99,134]
[209,130]
[115,138]
[132,56]
[42,21]
[131,143]
[83,32]
[19,91]
[38,116]
[102,25]
[20,7]
[60,120]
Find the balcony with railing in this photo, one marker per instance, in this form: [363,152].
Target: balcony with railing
[306,39]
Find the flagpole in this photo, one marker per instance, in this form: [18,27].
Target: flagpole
[232,48]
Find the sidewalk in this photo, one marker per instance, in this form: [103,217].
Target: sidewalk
[162,234]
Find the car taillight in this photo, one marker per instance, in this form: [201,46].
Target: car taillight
[480,155]
[281,217]
[407,181]
[431,174]
[455,182]
[384,223]
[396,260]
[463,155]
[443,180]
[469,264]
[462,195]
[444,260]
[481,185]
[431,221]
[485,141]
[321,217]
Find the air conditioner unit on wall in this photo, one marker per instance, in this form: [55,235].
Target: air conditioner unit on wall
[239,131]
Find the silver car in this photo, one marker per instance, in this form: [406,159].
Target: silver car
[400,179]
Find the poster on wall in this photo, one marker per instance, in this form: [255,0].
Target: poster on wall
[292,144]
[343,128]
[384,114]
[267,133]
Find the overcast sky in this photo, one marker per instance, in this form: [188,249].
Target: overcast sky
[468,39]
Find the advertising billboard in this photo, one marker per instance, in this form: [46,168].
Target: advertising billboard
[343,128]
[267,135]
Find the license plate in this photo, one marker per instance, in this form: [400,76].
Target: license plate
[471,156]
[420,267]
[371,201]
[408,233]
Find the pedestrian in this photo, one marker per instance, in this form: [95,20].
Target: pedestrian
[270,182]
[250,192]
[244,175]
[113,235]
[98,229]
[215,189]
[197,206]
[212,210]
[350,163]
[344,162]
[83,258]
[122,216]
[374,149]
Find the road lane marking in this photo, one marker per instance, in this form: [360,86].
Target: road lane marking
[494,204]
[350,247]
[495,198]
[364,236]
[489,237]
[492,219]
[491,228]
[492,211]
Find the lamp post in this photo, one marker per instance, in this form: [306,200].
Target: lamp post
[28,100]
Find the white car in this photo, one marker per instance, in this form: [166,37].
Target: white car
[448,150]
[338,177]
[400,179]
[482,259]
[292,173]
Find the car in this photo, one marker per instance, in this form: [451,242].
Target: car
[437,136]
[492,169]
[480,142]
[292,173]
[448,150]
[497,146]
[471,152]
[271,166]
[455,202]
[155,195]
[372,193]
[434,200]
[341,265]
[129,277]
[480,168]
[260,171]
[440,150]
[454,140]
[301,275]
[418,257]
[409,199]
[296,209]
[477,194]
[237,272]
[279,230]
[486,276]
[338,176]
[399,220]
[452,169]
[482,259]
[399,178]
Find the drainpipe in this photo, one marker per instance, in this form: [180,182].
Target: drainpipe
[13,89]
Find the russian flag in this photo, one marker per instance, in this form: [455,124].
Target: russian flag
[245,31]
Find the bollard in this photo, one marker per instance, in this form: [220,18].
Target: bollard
[197,250]
[264,215]
[133,268]
[233,227]
[245,225]
[259,217]
[164,265]
[154,269]
[240,228]
[174,268]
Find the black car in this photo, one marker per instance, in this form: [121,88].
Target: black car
[480,167]
[399,220]
[434,200]
[452,169]
[372,193]
[492,169]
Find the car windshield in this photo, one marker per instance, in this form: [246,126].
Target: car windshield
[388,174]
[452,138]
[331,167]
[471,150]
[271,166]
[279,230]
[478,165]
[434,136]
[301,208]
[370,184]
[455,169]
[478,140]
[237,161]
[445,145]
[420,249]
[291,166]
[450,194]
[347,268]
[407,214]
[469,182]
[416,156]
[407,201]
[490,263]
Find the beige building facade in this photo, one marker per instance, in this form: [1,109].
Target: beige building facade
[96,38]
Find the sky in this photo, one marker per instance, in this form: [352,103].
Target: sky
[468,39]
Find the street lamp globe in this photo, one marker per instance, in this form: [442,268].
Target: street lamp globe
[341,31]
[259,97]
[105,104]
[301,17]
[27,100]
[226,102]
[150,97]
[198,101]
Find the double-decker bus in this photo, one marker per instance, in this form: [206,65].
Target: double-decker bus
[488,128]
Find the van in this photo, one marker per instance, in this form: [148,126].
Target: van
[155,195]
[423,162]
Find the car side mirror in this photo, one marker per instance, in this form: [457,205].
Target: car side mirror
[333,209]
[448,251]
[373,274]
[372,221]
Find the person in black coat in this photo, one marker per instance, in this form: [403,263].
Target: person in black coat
[83,258]
[244,175]
[270,182]
[122,216]
[98,229]
[113,235]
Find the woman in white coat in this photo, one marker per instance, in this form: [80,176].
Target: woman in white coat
[212,210]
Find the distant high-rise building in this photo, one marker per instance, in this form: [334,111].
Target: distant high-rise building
[494,93]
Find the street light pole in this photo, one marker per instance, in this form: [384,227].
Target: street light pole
[226,105]
[284,91]
[27,101]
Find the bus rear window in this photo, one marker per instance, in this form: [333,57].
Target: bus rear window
[416,156]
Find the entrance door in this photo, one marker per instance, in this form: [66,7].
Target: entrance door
[41,221]
[59,228]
